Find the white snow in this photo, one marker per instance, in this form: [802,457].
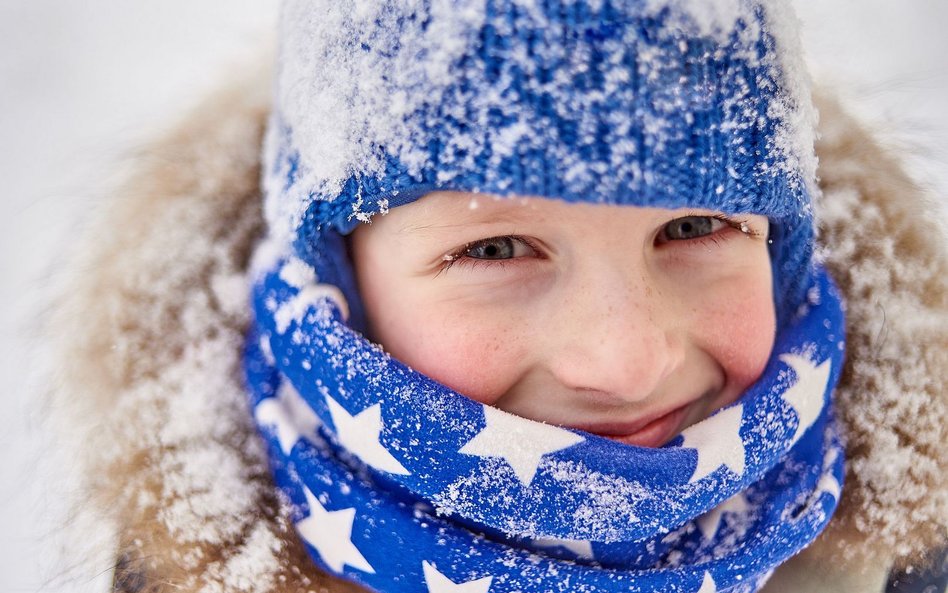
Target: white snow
[711,18]
[309,297]
[297,273]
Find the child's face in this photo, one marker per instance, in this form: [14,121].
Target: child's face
[631,323]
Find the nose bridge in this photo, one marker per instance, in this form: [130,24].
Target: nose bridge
[621,339]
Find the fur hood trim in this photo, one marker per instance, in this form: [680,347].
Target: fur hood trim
[151,330]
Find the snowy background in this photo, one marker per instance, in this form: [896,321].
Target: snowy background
[83,84]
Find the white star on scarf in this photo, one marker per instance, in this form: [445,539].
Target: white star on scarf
[520,442]
[360,435]
[309,297]
[438,583]
[302,276]
[330,534]
[708,585]
[266,350]
[828,482]
[806,395]
[710,522]
[582,548]
[717,441]
[288,415]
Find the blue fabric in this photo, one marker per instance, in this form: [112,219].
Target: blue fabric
[695,122]
[392,476]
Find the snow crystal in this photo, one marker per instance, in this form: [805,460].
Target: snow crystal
[154,335]
[891,266]
[793,108]
[250,569]
[707,18]
[354,94]
[294,309]
[297,273]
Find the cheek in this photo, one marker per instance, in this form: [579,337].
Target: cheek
[470,352]
[477,351]
[740,330]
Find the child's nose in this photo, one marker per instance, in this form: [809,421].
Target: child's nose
[623,343]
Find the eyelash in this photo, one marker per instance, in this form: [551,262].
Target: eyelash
[740,225]
[458,255]
[450,259]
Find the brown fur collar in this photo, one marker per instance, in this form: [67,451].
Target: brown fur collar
[152,328]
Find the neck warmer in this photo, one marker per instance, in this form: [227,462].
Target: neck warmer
[404,485]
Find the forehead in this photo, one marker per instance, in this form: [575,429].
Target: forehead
[442,212]
[447,209]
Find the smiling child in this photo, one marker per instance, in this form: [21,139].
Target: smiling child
[538,309]
[631,323]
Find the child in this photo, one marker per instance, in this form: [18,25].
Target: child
[537,311]
[595,220]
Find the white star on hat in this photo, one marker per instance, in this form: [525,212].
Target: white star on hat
[288,415]
[330,534]
[360,435]
[806,395]
[520,442]
[438,583]
[717,441]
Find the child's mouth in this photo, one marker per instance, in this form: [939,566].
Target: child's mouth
[651,432]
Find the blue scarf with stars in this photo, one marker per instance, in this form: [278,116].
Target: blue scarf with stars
[403,485]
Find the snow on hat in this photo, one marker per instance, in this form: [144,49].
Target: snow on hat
[666,103]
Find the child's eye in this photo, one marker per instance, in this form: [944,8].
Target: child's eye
[496,248]
[691,227]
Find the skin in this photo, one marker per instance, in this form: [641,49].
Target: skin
[630,323]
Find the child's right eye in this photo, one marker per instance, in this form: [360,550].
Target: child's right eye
[498,248]
[493,249]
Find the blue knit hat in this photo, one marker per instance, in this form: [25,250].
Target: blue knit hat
[664,103]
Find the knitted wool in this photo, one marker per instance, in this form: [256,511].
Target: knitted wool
[633,102]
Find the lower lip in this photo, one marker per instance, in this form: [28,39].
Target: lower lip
[657,432]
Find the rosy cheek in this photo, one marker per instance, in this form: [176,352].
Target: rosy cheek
[743,336]
[467,353]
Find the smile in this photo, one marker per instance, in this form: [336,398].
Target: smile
[647,432]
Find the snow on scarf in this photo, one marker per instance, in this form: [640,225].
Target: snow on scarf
[404,485]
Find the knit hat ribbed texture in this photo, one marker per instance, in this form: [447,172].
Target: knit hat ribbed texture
[694,103]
